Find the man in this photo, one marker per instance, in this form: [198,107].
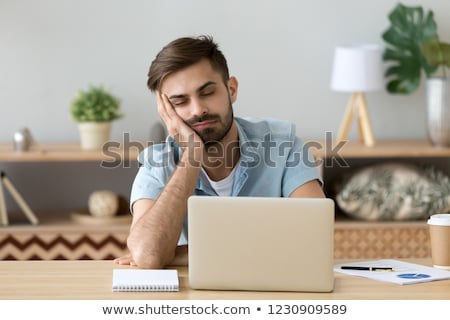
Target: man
[208,152]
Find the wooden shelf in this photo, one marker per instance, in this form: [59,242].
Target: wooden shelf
[71,151]
[63,221]
[66,152]
[382,149]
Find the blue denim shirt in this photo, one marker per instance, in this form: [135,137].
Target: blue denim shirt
[273,163]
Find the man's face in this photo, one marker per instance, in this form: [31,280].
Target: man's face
[202,100]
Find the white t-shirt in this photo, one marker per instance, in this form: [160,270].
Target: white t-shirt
[222,187]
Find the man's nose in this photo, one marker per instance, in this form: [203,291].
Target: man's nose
[199,108]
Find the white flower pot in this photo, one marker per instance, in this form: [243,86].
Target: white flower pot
[94,134]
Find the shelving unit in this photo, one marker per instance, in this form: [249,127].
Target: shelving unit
[58,237]
[382,149]
[63,152]
[361,239]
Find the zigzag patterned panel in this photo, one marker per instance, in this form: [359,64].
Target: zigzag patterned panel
[49,246]
[376,243]
[349,243]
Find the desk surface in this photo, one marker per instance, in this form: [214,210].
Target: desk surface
[89,279]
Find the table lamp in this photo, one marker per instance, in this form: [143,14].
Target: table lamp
[357,69]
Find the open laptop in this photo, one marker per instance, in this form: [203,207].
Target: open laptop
[266,244]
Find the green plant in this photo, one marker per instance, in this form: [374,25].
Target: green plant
[95,104]
[437,53]
[414,48]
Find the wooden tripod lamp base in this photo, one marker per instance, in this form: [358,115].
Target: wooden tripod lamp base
[357,106]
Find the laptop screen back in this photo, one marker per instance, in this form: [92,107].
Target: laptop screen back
[254,243]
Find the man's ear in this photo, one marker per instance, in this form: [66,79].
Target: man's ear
[233,88]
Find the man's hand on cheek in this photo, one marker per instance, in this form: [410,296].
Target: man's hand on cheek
[185,136]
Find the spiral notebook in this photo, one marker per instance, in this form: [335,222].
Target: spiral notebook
[145,280]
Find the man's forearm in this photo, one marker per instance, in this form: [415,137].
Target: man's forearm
[154,237]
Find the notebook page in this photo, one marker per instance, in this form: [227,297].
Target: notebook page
[145,280]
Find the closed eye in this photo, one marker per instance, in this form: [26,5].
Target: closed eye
[207,93]
[178,102]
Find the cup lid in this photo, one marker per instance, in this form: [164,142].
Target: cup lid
[441,219]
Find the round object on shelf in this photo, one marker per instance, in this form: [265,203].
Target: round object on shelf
[103,203]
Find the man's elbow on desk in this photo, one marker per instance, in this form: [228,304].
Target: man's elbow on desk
[146,258]
[151,261]
[148,261]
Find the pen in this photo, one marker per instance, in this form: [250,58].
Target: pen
[367,268]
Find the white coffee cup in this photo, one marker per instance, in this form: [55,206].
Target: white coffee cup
[440,240]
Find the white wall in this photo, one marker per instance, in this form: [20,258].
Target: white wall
[280,50]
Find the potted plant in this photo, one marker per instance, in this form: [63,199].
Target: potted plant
[94,110]
[414,49]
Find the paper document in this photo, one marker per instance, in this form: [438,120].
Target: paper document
[403,272]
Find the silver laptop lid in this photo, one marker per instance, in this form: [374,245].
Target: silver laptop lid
[253,243]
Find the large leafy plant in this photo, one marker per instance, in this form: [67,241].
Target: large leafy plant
[414,48]
[95,104]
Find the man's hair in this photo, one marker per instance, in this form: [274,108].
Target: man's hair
[182,53]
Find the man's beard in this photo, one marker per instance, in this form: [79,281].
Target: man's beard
[212,136]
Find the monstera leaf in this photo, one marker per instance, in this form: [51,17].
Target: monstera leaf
[408,31]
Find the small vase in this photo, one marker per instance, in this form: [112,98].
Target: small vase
[438,111]
[94,134]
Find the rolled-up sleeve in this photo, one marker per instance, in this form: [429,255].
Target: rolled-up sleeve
[300,168]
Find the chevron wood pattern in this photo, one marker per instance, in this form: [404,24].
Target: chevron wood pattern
[350,242]
[62,246]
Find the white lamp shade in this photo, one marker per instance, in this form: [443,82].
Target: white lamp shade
[357,69]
